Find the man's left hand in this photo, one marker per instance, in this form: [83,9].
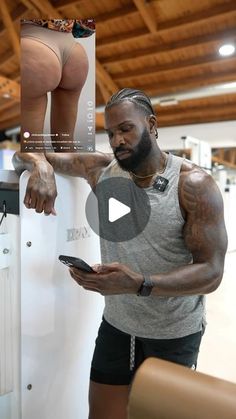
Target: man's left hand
[108,279]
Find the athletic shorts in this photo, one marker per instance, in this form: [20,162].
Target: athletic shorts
[117,355]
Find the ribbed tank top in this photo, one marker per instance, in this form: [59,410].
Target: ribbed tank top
[160,247]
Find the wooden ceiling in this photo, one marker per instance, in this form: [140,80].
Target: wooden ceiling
[164,47]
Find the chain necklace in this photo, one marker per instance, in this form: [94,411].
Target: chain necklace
[153,174]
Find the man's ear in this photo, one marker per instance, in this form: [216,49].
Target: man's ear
[152,120]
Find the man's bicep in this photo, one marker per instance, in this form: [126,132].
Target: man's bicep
[204,231]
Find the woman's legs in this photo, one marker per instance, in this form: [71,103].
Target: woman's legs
[40,73]
[65,97]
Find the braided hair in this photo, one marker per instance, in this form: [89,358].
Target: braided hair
[139,98]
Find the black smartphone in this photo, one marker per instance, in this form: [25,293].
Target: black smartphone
[75,263]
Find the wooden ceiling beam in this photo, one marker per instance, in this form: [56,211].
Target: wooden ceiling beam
[104,91]
[125,11]
[13,112]
[8,103]
[63,4]
[185,84]
[30,5]
[9,123]
[99,121]
[7,20]
[126,37]
[104,77]
[46,9]
[10,87]
[175,111]
[146,15]
[197,114]
[185,120]
[187,106]
[6,56]
[156,50]
[173,24]
[159,69]
[195,119]
[16,14]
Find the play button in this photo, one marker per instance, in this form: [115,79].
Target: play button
[117,209]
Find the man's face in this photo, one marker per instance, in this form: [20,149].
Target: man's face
[128,134]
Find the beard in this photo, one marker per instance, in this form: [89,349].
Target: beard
[138,154]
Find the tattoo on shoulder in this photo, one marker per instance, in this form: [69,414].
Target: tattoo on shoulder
[200,196]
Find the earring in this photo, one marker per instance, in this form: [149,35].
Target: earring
[156,133]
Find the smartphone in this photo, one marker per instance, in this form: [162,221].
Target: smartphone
[75,263]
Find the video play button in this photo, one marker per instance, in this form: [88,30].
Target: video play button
[117,209]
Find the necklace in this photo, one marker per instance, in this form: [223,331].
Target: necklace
[153,174]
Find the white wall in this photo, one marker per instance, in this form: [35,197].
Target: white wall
[59,320]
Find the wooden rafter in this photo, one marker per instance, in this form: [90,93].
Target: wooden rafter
[146,15]
[13,112]
[30,5]
[7,56]
[63,4]
[8,103]
[191,42]
[174,66]
[7,20]
[10,122]
[99,121]
[16,14]
[46,8]
[186,83]
[178,112]
[173,24]
[104,91]
[9,87]
[105,78]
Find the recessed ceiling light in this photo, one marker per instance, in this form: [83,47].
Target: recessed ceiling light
[6,95]
[227,49]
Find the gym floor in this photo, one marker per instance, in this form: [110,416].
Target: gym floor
[218,348]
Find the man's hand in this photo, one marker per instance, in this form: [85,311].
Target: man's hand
[41,189]
[109,279]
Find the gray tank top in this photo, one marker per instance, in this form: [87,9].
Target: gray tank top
[159,248]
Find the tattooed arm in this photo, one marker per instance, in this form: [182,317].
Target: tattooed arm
[41,189]
[204,234]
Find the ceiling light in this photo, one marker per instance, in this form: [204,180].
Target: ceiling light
[227,49]
[6,95]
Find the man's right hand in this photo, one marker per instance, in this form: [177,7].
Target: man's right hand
[41,190]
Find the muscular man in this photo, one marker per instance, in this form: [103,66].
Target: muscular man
[154,292]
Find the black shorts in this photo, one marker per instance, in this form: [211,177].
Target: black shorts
[113,353]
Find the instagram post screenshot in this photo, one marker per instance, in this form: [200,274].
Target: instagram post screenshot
[57,85]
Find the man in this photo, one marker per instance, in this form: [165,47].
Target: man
[154,284]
